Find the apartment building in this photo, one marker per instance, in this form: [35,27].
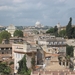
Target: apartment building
[19,50]
[5,52]
[5,49]
[56,43]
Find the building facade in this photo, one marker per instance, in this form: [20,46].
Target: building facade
[11,29]
[5,49]
[19,50]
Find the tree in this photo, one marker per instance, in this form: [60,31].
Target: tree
[1,39]
[18,33]
[73,32]
[4,68]
[51,30]
[62,33]
[33,61]
[69,29]
[69,50]
[23,69]
[4,35]
[56,31]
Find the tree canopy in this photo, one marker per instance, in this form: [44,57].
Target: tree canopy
[18,33]
[4,35]
[4,68]
[51,30]
[73,32]
[69,50]
[69,29]
[33,61]
[55,31]
[23,69]
[62,33]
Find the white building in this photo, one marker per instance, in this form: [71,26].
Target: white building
[19,50]
[38,24]
[58,44]
[11,29]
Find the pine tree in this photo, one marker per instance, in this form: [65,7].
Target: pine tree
[56,31]
[69,29]
[73,32]
[33,61]
[23,67]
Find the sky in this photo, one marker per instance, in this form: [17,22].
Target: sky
[28,12]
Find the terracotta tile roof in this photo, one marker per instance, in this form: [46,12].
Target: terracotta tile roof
[5,45]
[35,72]
[37,67]
[12,38]
[1,59]
[53,73]
[24,52]
[50,54]
[47,72]
[56,40]
[5,55]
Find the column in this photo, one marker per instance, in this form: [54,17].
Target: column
[65,63]
[61,63]
[68,65]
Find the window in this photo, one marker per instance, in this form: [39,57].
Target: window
[49,50]
[55,43]
[60,43]
[2,52]
[16,67]
[51,43]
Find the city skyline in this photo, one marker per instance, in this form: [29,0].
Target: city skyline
[28,12]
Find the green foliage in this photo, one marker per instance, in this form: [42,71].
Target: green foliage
[69,29]
[51,30]
[1,39]
[55,31]
[33,61]
[62,33]
[18,33]
[73,32]
[68,58]
[35,31]
[4,68]
[23,67]
[4,35]
[69,50]
[11,63]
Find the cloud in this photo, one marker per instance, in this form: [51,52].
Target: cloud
[27,12]
[62,0]
[17,1]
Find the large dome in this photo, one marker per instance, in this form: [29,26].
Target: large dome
[37,23]
[11,27]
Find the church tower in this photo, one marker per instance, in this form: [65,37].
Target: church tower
[59,27]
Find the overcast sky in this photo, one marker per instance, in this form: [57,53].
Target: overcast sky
[27,12]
